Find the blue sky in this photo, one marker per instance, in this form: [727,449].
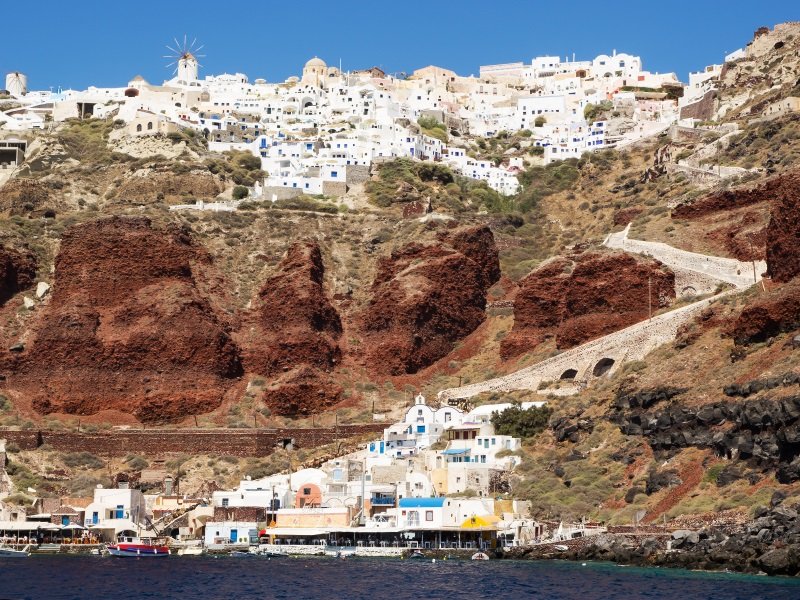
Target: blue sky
[76,44]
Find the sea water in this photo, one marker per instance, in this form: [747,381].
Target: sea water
[211,578]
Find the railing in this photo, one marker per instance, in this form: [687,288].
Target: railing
[382,501]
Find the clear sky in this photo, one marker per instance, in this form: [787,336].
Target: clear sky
[77,44]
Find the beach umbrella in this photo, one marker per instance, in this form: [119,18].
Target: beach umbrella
[72,526]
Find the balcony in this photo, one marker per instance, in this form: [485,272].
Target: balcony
[382,501]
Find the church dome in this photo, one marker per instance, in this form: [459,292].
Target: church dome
[316,62]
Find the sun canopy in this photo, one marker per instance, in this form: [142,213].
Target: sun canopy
[73,526]
[452,451]
[480,522]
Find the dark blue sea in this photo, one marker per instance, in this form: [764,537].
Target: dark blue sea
[105,578]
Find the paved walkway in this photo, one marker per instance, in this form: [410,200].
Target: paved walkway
[604,355]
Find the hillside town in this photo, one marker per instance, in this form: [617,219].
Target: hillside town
[438,479]
[322,131]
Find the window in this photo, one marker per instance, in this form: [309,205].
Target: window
[429,515]
[224,502]
[149,126]
[306,491]
[139,127]
[334,173]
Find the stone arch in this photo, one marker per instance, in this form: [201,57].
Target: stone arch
[688,291]
[603,366]
[569,374]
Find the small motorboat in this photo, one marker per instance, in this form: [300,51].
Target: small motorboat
[242,554]
[191,551]
[416,554]
[6,552]
[136,548]
[561,547]
[480,556]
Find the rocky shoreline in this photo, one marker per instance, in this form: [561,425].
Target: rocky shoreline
[769,544]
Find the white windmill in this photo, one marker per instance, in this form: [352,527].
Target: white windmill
[17,84]
[184,59]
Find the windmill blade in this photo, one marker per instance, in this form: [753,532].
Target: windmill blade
[170,64]
[194,41]
[200,47]
[177,43]
[184,42]
[171,49]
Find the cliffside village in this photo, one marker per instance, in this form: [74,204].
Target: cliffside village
[321,132]
[437,479]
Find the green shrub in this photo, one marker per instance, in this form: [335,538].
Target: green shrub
[521,423]
[240,192]
[83,459]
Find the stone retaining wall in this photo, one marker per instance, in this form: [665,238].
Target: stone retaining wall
[728,270]
[156,442]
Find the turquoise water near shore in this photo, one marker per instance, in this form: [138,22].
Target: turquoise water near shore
[209,578]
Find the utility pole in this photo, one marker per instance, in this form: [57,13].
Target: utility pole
[649,297]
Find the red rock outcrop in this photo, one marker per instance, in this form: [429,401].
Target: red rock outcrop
[584,297]
[295,334]
[427,297]
[127,328]
[302,391]
[17,272]
[776,312]
[783,231]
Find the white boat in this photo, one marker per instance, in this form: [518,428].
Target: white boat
[191,551]
[6,552]
[480,556]
[561,547]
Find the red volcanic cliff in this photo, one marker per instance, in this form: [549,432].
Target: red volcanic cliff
[295,334]
[425,298]
[776,312]
[17,272]
[783,231]
[584,297]
[127,328]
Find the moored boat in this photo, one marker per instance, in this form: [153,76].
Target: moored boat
[6,552]
[134,547]
[480,556]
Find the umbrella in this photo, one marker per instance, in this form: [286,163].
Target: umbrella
[71,526]
[48,527]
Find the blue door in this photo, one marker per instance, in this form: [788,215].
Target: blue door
[65,520]
[95,518]
[119,512]
[234,535]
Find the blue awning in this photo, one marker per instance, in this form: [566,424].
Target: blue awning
[456,451]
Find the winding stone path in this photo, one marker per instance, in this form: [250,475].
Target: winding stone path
[604,355]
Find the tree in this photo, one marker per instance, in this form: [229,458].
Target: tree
[521,423]
[240,192]
[539,122]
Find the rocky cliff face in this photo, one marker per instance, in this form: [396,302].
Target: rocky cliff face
[25,196]
[17,272]
[146,188]
[295,334]
[586,296]
[765,317]
[426,297]
[783,231]
[127,328]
